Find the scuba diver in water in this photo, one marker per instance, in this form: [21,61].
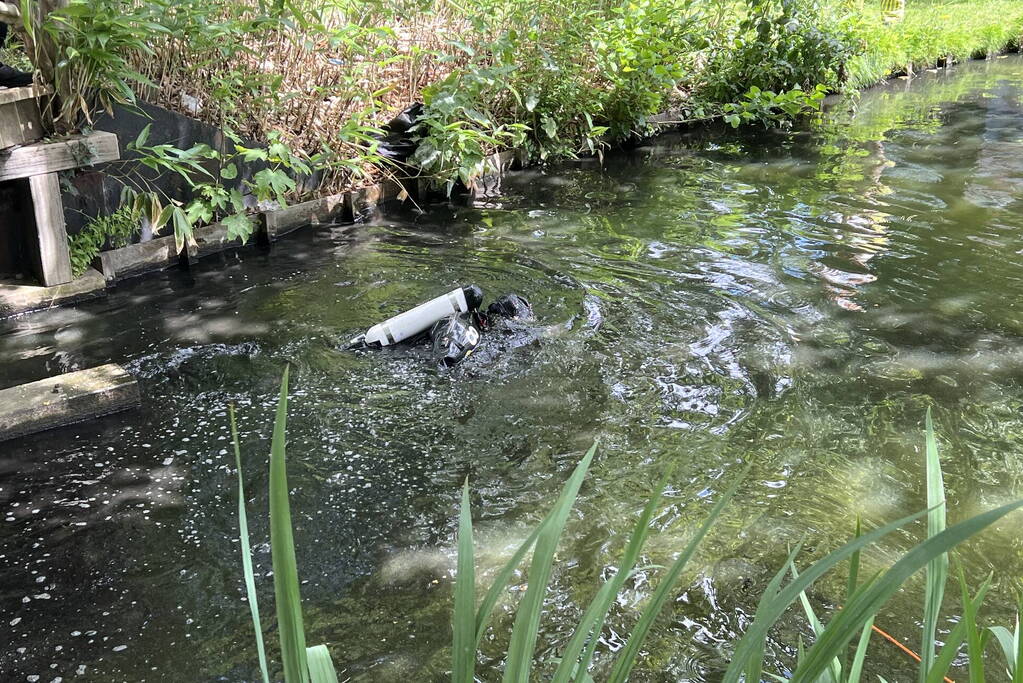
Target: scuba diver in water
[453,323]
[9,76]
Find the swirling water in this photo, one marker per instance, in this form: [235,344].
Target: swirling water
[790,300]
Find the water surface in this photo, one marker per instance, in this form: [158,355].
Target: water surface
[792,301]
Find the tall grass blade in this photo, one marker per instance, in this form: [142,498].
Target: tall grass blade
[321,666]
[243,536]
[954,640]
[592,622]
[282,548]
[856,668]
[749,644]
[1005,641]
[527,617]
[835,668]
[500,582]
[975,638]
[755,665]
[865,604]
[937,569]
[627,657]
[1017,665]
[850,586]
[1012,647]
[463,652]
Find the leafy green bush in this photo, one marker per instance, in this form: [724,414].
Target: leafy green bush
[782,45]
[94,39]
[115,230]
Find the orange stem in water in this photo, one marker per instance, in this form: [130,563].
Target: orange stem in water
[894,641]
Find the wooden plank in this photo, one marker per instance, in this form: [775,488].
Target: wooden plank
[66,399]
[211,239]
[20,121]
[28,92]
[362,202]
[47,157]
[135,259]
[17,298]
[328,209]
[54,260]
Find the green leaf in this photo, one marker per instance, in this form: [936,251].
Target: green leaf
[243,536]
[1007,641]
[229,172]
[665,588]
[835,666]
[754,637]
[975,638]
[239,226]
[756,661]
[937,569]
[463,651]
[852,617]
[321,666]
[527,617]
[282,549]
[589,627]
[954,640]
[856,668]
[140,141]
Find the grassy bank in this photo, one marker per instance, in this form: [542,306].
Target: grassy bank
[934,32]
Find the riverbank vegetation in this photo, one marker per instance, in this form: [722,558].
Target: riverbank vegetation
[837,651]
[553,79]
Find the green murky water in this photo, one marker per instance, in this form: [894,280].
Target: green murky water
[790,300]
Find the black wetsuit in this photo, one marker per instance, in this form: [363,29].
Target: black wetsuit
[9,76]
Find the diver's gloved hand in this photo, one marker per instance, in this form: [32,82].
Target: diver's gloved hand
[455,337]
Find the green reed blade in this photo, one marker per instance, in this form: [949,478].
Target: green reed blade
[850,587]
[1005,641]
[527,617]
[835,667]
[755,635]
[243,536]
[321,666]
[954,640]
[755,665]
[282,549]
[937,569]
[856,668]
[463,651]
[588,629]
[975,638]
[627,657]
[850,620]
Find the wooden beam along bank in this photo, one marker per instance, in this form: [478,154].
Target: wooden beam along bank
[161,253]
[66,399]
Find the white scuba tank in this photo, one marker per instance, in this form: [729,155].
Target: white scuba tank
[423,316]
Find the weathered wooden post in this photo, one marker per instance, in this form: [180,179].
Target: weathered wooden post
[34,165]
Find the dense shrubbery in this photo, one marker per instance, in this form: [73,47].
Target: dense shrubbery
[555,78]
